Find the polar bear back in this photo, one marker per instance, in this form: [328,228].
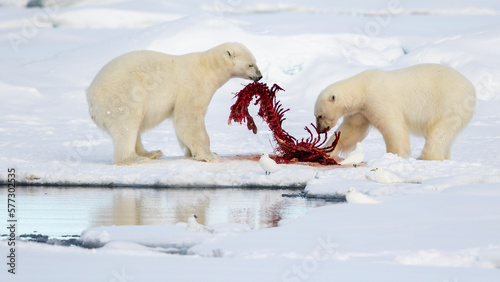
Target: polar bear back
[147,81]
[423,94]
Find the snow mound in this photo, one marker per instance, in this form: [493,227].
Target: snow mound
[104,18]
[432,175]
[172,239]
[165,236]
[462,258]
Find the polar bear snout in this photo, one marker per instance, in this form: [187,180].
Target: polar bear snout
[323,129]
[322,124]
[257,76]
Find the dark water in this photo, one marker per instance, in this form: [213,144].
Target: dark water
[59,212]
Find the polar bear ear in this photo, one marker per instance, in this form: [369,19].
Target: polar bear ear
[230,53]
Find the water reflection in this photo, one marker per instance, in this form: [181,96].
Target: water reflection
[68,211]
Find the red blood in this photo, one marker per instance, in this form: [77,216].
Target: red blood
[288,149]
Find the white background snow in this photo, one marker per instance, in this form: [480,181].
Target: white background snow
[442,225]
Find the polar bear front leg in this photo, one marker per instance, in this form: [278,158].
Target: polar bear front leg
[185,149]
[396,136]
[353,129]
[139,149]
[192,134]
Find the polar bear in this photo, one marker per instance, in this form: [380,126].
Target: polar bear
[138,90]
[429,100]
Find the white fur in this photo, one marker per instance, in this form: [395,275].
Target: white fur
[140,89]
[429,100]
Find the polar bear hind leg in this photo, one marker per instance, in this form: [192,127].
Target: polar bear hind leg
[437,146]
[139,149]
[440,138]
[124,141]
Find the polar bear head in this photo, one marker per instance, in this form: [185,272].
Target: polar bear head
[337,100]
[241,61]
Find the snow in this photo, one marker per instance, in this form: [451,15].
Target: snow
[354,197]
[441,224]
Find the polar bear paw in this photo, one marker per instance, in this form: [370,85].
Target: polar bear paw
[154,155]
[210,157]
[132,160]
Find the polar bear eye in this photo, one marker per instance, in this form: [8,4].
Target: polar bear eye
[333,98]
[250,65]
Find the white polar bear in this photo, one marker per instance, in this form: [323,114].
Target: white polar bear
[429,100]
[138,90]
